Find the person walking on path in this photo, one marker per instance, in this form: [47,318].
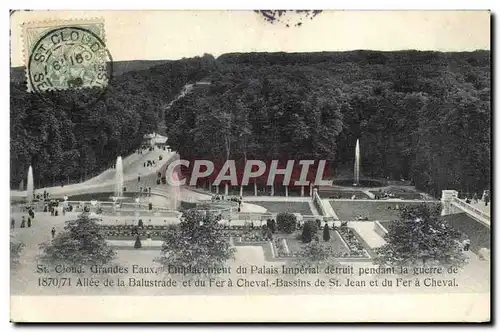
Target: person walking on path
[29,222]
[12,223]
[475,198]
[486,199]
[23,223]
[53,232]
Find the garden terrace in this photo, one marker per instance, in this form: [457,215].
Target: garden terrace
[295,244]
[253,236]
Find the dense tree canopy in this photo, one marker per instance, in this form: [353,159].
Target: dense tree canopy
[423,116]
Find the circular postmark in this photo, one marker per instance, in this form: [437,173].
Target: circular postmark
[69,67]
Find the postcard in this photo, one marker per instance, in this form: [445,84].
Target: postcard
[250,166]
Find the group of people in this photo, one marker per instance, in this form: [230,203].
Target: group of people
[44,196]
[27,222]
[475,198]
[24,222]
[53,208]
[149,148]
[149,163]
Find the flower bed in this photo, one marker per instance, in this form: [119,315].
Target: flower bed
[131,227]
[124,232]
[124,235]
[355,246]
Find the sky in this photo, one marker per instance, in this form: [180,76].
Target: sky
[161,35]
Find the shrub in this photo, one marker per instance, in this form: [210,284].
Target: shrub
[137,244]
[286,222]
[326,233]
[307,233]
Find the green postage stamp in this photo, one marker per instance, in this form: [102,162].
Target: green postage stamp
[64,55]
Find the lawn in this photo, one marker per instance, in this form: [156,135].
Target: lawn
[374,210]
[332,193]
[479,234]
[386,224]
[291,207]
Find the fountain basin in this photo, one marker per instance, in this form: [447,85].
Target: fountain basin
[362,183]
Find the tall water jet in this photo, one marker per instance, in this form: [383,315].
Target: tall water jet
[29,188]
[119,177]
[176,190]
[356,164]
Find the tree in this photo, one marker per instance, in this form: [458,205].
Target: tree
[64,142]
[306,236]
[420,237]
[198,241]
[81,243]
[137,244]
[286,222]
[309,231]
[316,254]
[326,233]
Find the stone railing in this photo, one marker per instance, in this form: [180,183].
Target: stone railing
[472,211]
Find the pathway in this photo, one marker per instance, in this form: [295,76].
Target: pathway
[132,167]
[480,206]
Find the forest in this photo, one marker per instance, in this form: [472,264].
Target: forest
[422,116]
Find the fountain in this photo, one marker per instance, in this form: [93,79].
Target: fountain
[29,188]
[356,164]
[356,181]
[119,177]
[176,193]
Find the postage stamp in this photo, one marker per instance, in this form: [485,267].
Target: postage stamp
[259,175]
[65,55]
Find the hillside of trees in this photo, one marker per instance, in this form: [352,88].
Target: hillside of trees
[424,116]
